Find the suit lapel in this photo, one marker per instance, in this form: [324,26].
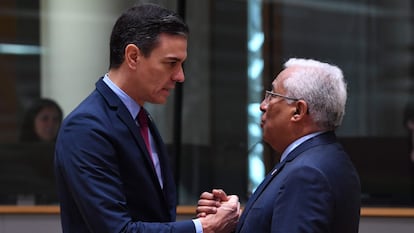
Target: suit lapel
[124,115]
[169,189]
[269,177]
[168,192]
[324,138]
[159,144]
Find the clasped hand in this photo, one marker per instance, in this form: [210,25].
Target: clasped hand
[218,212]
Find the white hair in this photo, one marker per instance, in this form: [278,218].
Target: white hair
[322,86]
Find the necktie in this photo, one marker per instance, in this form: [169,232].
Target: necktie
[143,127]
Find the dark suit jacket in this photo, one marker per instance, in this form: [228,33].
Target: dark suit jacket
[106,181]
[315,189]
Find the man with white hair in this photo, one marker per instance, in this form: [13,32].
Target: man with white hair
[315,187]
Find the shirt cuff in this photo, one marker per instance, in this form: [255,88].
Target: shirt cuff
[197,225]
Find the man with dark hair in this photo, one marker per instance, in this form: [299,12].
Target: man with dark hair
[111,164]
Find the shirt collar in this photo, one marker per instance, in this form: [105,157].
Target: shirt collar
[296,143]
[132,106]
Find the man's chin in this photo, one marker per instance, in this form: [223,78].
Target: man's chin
[159,101]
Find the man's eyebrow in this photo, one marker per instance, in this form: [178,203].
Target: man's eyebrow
[173,59]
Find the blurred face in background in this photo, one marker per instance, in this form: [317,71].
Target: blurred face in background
[47,123]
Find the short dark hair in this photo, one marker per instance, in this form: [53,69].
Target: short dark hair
[141,25]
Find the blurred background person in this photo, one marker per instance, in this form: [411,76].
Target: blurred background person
[27,174]
[41,121]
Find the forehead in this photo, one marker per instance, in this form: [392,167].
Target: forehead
[48,110]
[277,82]
[171,47]
[282,76]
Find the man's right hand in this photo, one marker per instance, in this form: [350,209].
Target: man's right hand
[209,202]
[218,212]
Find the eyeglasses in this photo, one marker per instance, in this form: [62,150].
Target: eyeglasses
[270,94]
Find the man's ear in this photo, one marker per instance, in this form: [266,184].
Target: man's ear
[300,110]
[132,56]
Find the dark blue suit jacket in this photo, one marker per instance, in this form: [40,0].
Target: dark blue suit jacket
[315,189]
[106,181]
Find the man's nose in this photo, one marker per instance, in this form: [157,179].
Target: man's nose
[179,76]
[263,106]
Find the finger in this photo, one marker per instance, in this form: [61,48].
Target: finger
[205,202]
[206,210]
[219,194]
[233,198]
[207,195]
